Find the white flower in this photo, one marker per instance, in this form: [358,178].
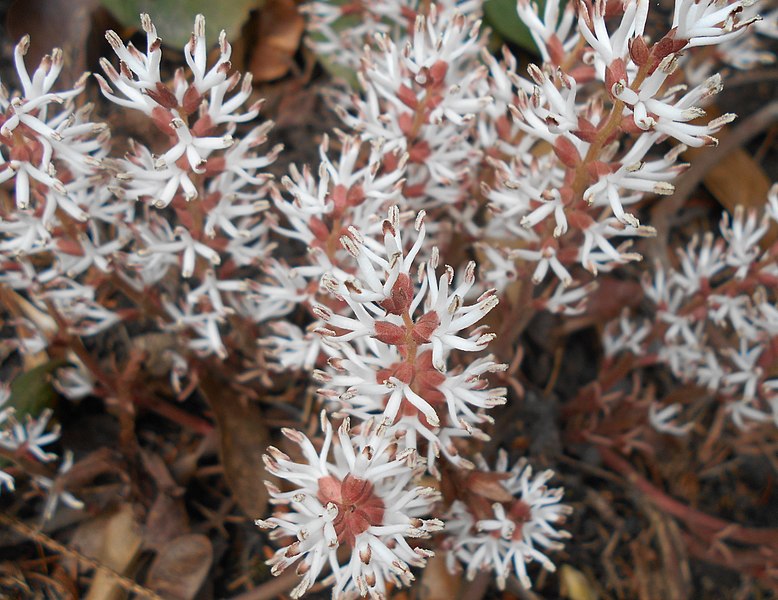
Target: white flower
[628,337]
[292,348]
[567,301]
[139,72]
[188,247]
[772,203]
[661,419]
[24,233]
[506,536]
[699,267]
[710,373]
[708,22]
[743,233]
[6,479]
[546,256]
[738,310]
[597,253]
[29,436]
[144,179]
[744,410]
[610,47]
[553,36]
[74,382]
[56,495]
[363,499]
[44,140]
[746,373]
[211,289]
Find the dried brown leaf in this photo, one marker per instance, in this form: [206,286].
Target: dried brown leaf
[437,583]
[114,540]
[281,28]
[574,584]
[181,566]
[167,520]
[738,180]
[243,439]
[69,31]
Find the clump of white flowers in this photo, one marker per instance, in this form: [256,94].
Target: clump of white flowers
[25,440]
[716,322]
[363,499]
[504,526]
[338,270]
[391,358]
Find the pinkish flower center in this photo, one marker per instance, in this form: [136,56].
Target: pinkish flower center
[358,505]
[422,378]
[521,513]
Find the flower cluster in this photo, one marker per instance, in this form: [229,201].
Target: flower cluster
[363,499]
[557,157]
[393,355]
[715,316]
[212,181]
[77,225]
[26,440]
[506,521]
[422,89]
[601,102]
[336,270]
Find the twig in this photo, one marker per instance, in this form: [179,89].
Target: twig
[714,526]
[175,414]
[753,562]
[271,589]
[751,77]
[54,546]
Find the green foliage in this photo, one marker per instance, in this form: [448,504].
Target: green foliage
[332,66]
[501,16]
[174,18]
[31,392]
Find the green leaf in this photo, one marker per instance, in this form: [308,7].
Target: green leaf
[174,19]
[32,391]
[501,15]
[330,62]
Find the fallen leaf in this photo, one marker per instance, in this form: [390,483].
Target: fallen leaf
[749,188]
[243,439]
[437,583]
[166,520]
[167,517]
[157,347]
[575,585]
[68,31]
[114,540]
[181,566]
[281,28]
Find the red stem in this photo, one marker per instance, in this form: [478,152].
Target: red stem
[715,527]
